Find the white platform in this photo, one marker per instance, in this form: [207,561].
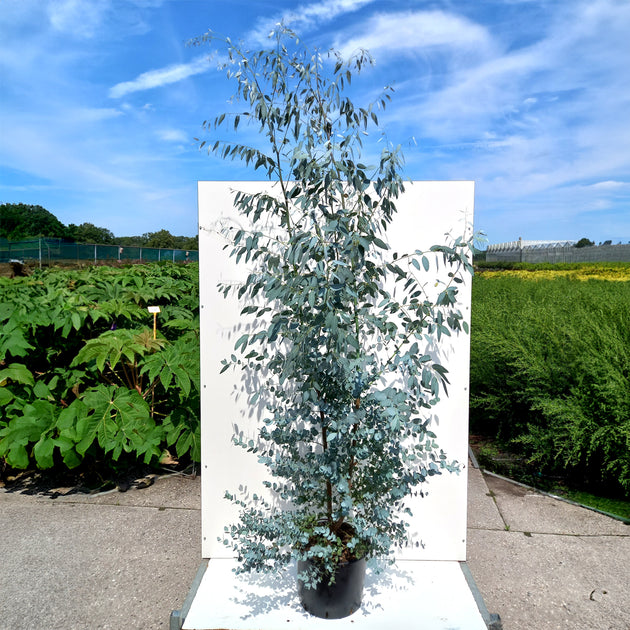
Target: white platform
[427,595]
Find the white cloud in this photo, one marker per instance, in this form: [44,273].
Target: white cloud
[93,114]
[162,76]
[173,135]
[88,19]
[473,96]
[609,185]
[306,16]
[302,18]
[40,151]
[541,104]
[396,33]
[77,17]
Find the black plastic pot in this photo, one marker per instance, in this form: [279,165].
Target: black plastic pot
[339,599]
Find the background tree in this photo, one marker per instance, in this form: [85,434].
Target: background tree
[187,242]
[20,221]
[163,238]
[90,233]
[584,242]
[131,241]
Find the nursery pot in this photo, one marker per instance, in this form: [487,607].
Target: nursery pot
[336,600]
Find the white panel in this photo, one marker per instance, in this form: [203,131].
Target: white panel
[427,211]
[426,595]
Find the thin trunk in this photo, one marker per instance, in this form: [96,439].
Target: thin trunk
[329,506]
[353,463]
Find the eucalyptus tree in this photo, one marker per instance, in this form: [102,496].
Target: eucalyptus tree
[346,434]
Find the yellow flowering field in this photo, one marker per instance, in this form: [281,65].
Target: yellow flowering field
[614,272]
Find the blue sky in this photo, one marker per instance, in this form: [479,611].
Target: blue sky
[101,100]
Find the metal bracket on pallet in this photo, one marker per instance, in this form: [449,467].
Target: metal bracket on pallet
[492,620]
[179,616]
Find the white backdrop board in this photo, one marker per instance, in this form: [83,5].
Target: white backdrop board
[427,211]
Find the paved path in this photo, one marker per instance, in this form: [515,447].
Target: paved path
[544,564]
[119,561]
[125,560]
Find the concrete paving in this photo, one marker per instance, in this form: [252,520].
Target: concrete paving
[544,564]
[115,561]
[125,560]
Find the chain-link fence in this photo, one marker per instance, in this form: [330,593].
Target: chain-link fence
[46,251]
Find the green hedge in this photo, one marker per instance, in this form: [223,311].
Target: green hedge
[550,373]
[81,375]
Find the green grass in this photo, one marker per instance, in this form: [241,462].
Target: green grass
[616,507]
[499,460]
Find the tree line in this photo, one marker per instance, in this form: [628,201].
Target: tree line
[20,221]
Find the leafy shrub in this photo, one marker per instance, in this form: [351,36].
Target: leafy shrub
[81,375]
[550,372]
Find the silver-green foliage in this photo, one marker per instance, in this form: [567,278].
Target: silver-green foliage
[347,365]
